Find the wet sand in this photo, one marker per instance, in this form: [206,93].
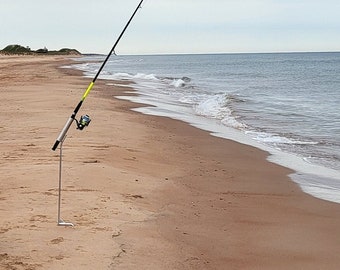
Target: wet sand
[144,192]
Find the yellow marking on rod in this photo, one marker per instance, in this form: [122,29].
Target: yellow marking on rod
[87,91]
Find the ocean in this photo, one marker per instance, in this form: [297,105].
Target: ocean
[284,103]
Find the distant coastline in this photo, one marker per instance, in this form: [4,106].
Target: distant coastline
[21,50]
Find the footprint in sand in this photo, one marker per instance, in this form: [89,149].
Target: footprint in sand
[57,240]
[41,218]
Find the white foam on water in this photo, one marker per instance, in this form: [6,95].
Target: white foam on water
[274,139]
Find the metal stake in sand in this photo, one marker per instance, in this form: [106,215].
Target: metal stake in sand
[61,222]
[84,120]
[81,124]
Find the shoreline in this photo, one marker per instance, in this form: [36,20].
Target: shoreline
[144,191]
[325,180]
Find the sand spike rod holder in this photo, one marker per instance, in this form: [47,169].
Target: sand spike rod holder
[61,222]
[83,120]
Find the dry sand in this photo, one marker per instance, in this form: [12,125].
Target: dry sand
[143,192]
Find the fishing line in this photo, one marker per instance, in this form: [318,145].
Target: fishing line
[85,119]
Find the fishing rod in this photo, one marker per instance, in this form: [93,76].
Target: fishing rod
[85,119]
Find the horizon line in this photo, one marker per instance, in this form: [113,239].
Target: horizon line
[211,53]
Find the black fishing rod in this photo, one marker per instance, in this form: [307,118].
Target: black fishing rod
[85,120]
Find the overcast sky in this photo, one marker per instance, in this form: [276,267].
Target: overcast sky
[173,26]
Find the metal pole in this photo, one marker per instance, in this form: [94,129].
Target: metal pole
[60,221]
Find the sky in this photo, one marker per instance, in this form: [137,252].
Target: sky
[173,26]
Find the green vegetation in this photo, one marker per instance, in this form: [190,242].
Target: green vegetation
[18,49]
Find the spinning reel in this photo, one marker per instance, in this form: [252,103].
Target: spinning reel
[84,121]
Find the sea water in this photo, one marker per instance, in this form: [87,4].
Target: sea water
[284,103]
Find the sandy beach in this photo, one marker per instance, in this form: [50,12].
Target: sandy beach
[143,192]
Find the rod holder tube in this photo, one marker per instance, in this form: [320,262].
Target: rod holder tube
[63,133]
